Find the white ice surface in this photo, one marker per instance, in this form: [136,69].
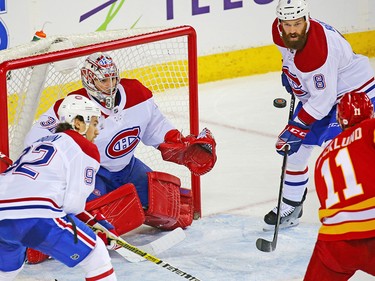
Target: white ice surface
[237,193]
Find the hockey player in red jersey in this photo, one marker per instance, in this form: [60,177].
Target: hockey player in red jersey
[43,190]
[130,116]
[345,184]
[318,67]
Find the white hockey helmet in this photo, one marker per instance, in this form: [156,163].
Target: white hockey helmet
[74,105]
[292,9]
[100,66]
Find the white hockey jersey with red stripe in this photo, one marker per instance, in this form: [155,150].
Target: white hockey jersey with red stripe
[323,70]
[53,177]
[135,118]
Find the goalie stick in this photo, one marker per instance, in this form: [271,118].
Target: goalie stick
[262,244]
[155,247]
[121,242]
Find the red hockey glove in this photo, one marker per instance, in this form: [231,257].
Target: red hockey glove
[196,153]
[99,218]
[292,136]
[35,256]
[200,156]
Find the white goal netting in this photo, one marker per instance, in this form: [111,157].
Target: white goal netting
[39,73]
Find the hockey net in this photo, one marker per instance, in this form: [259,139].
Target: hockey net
[33,76]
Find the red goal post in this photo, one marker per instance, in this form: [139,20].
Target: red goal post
[33,76]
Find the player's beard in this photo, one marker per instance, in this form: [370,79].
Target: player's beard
[295,44]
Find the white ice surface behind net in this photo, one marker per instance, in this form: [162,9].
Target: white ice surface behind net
[235,196]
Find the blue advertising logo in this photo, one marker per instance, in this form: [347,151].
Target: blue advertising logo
[197,9]
[3,30]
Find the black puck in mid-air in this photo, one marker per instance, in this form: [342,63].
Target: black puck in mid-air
[279,102]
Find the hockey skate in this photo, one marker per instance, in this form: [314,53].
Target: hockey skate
[289,217]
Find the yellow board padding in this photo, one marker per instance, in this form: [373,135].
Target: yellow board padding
[215,67]
[238,63]
[362,42]
[265,59]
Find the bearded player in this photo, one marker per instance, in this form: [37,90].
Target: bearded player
[318,67]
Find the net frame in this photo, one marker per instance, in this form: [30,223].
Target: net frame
[25,60]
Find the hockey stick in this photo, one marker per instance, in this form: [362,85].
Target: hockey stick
[262,244]
[155,247]
[121,242]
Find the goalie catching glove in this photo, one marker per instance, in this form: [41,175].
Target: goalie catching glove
[90,220]
[197,153]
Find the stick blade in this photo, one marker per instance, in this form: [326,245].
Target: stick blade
[265,246]
[155,247]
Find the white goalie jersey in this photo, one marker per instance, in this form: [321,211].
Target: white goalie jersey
[52,178]
[135,118]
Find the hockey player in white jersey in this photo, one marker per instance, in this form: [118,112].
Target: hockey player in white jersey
[130,116]
[43,190]
[318,67]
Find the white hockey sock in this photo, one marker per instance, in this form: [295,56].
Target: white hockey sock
[295,183]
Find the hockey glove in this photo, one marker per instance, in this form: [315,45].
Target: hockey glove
[292,136]
[200,156]
[99,218]
[197,153]
[285,83]
[35,256]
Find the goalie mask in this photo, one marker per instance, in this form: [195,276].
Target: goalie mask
[77,105]
[100,78]
[353,108]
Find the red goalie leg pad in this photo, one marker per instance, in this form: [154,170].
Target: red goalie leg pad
[35,256]
[186,216]
[120,207]
[163,199]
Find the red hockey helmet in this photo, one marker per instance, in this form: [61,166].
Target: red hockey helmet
[353,108]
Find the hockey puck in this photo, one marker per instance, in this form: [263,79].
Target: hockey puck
[279,102]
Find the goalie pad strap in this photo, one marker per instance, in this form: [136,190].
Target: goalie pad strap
[121,207]
[164,199]
[186,215]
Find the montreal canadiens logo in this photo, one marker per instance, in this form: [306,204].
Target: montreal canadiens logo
[123,143]
[294,82]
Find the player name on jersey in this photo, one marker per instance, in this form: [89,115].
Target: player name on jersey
[345,141]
